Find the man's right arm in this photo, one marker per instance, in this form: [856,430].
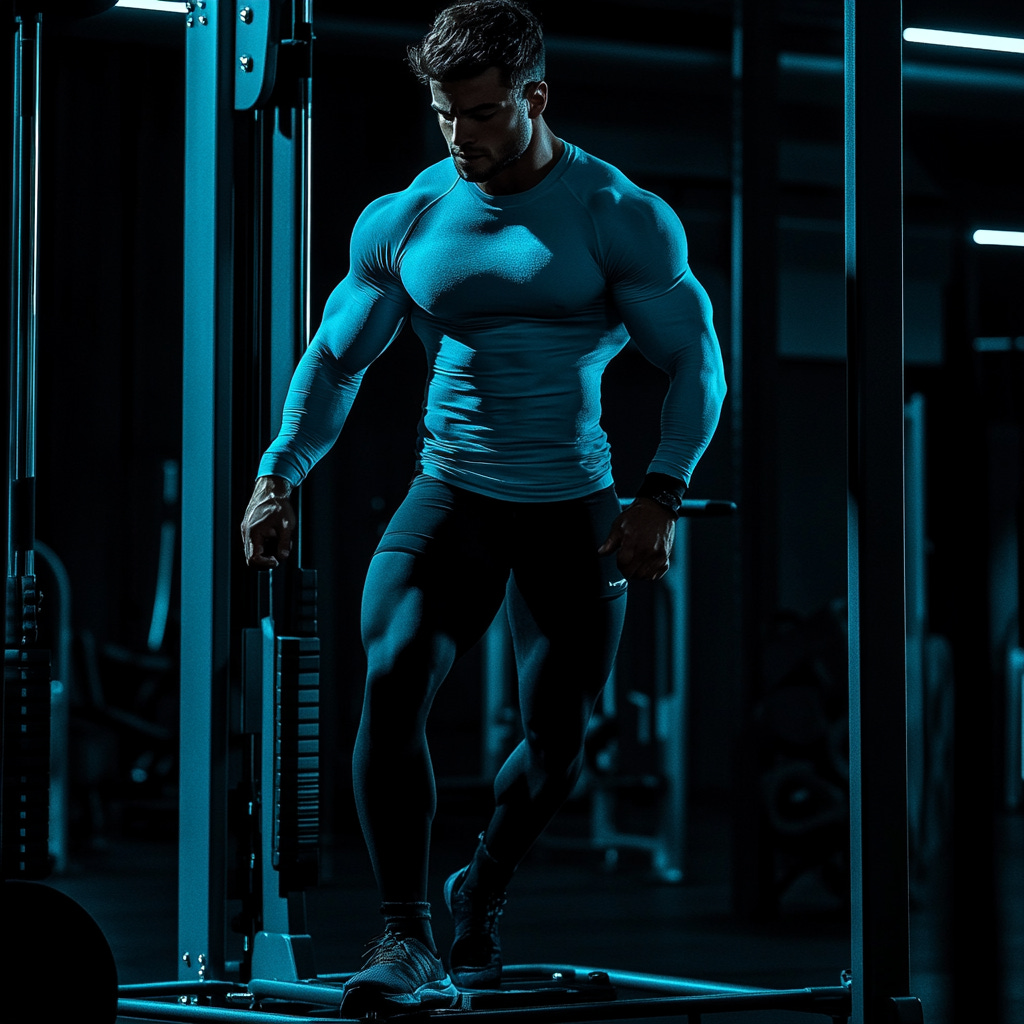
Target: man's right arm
[360,321]
[362,317]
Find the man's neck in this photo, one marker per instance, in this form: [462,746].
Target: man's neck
[541,155]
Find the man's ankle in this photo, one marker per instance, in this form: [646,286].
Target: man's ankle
[485,874]
[409,920]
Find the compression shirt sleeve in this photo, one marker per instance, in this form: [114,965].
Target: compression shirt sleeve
[668,316]
[362,317]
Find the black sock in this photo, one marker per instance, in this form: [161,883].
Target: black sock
[410,921]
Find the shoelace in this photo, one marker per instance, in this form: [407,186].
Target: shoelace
[386,949]
[488,914]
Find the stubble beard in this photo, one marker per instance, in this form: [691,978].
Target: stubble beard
[502,162]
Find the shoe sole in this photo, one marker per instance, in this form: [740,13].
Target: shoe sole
[364,1000]
[484,978]
[483,981]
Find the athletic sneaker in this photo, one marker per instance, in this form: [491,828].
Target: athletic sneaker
[475,959]
[401,975]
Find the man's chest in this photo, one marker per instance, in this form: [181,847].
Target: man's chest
[456,265]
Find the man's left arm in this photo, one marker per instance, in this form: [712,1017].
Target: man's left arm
[668,315]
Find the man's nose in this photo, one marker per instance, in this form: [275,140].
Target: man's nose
[461,132]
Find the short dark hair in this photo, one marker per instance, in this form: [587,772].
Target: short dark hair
[468,38]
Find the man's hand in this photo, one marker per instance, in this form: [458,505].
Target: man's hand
[643,535]
[269,516]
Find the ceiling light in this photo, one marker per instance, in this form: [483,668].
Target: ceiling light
[170,6]
[971,40]
[987,237]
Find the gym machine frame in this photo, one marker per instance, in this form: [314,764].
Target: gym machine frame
[31,702]
[25,709]
[231,52]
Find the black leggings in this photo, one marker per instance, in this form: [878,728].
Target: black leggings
[438,577]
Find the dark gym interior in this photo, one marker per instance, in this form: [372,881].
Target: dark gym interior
[759,893]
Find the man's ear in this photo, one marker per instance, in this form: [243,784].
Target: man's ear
[536,95]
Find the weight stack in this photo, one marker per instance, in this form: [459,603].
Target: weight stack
[26,767]
[297,762]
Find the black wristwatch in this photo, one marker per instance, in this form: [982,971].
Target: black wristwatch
[667,491]
[667,499]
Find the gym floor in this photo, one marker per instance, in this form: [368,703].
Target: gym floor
[571,909]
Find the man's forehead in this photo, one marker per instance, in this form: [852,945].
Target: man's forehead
[487,87]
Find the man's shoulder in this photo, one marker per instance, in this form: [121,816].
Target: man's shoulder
[610,195]
[397,210]
[595,173]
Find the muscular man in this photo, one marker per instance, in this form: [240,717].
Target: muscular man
[524,265]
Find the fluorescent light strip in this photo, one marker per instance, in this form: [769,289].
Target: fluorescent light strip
[1003,344]
[984,236]
[971,40]
[167,6]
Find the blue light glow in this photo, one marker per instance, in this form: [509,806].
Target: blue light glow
[984,236]
[971,40]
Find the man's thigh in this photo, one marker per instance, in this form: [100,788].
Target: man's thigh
[566,609]
[559,571]
[439,572]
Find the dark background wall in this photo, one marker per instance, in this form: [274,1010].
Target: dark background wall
[631,83]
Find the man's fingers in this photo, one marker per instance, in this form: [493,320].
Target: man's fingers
[256,559]
[262,562]
[267,531]
[660,570]
[613,542]
[256,543]
[284,542]
[284,533]
[627,562]
[257,556]
[640,563]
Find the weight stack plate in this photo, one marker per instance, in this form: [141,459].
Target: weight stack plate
[297,762]
[26,769]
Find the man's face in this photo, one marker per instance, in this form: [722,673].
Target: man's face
[487,126]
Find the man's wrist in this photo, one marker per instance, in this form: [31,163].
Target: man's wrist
[667,491]
[278,486]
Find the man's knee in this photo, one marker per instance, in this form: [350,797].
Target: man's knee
[556,753]
[402,677]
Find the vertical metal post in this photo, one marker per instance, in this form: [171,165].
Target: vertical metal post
[11,72]
[917,622]
[284,280]
[277,89]
[25,732]
[672,712]
[974,920]
[246,322]
[21,453]
[752,390]
[9,85]
[880,934]
[288,282]
[206,499]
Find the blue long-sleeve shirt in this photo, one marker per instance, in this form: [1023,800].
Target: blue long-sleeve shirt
[520,301]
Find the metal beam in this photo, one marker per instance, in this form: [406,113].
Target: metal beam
[206,497]
[880,925]
[246,323]
[753,400]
